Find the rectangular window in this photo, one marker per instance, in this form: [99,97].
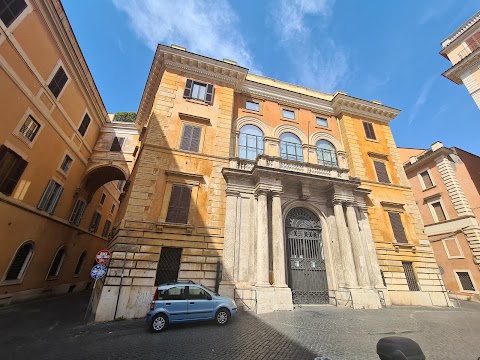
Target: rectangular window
[369,132]
[58,82]
[117,144]
[50,197]
[179,204]
[198,91]
[30,128]
[427,181]
[84,125]
[10,10]
[66,163]
[410,276]
[102,199]
[120,184]
[465,281]
[112,209]
[321,121]
[288,114]
[168,265]
[95,222]
[252,105]
[438,209]
[12,167]
[106,228]
[77,212]
[191,138]
[381,170]
[397,227]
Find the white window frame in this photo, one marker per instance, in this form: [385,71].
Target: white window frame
[59,169]
[322,126]
[18,20]
[460,284]
[50,77]
[461,256]
[255,102]
[59,182]
[83,212]
[422,184]
[24,268]
[291,110]
[23,138]
[432,210]
[59,265]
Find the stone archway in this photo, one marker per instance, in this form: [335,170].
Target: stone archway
[307,276]
[101,175]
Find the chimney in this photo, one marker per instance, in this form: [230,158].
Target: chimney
[413,159]
[178,47]
[436,145]
[228,61]
[377,102]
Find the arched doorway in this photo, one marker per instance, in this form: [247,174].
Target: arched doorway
[307,275]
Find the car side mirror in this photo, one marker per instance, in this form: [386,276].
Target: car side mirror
[209,297]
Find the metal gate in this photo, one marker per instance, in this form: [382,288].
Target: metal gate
[307,274]
[168,265]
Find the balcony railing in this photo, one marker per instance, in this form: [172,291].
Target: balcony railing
[289,165]
[471,48]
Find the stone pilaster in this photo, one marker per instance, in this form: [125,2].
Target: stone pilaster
[278,242]
[262,240]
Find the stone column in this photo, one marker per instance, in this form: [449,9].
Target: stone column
[278,242]
[344,244]
[262,240]
[370,251]
[229,237]
[357,247]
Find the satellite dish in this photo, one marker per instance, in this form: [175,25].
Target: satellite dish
[441,270]
[455,158]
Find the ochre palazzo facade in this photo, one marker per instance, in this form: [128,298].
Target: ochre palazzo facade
[272,193]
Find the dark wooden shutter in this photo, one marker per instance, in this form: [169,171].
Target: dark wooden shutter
[439,211]
[14,176]
[187,93]
[84,125]
[369,132]
[56,197]
[195,143]
[426,179]
[381,171]
[179,204]
[12,167]
[46,195]
[209,96]
[186,137]
[397,227]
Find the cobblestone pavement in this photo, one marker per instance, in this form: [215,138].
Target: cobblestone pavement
[54,329]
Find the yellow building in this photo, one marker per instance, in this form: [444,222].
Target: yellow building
[462,49]
[59,152]
[273,193]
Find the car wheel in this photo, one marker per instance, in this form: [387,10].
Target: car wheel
[222,316]
[159,323]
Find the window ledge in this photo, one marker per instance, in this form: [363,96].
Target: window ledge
[199,102]
[50,278]
[431,187]
[323,127]
[291,120]
[252,111]
[10,282]
[161,225]
[24,140]
[372,140]
[398,245]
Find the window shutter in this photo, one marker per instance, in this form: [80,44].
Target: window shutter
[46,195]
[426,179]
[56,198]
[397,227]
[74,212]
[186,137]
[196,135]
[15,173]
[80,213]
[184,205]
[187,93]
[179,204]
[3,152]
[369,132]
[439,211]
[381,171]
[173,205]
[209,96]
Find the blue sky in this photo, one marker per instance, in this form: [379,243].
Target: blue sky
[375,50]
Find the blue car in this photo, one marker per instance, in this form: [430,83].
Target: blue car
[182,302]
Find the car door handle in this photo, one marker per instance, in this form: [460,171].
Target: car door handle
[168,303]
[192,303]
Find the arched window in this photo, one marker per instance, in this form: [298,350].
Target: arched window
[326,153]
[250,142]
[57,263]
[80,263]
[20,262]
[291,147]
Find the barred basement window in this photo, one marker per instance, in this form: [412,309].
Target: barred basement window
[191,138]
[56,264]
[369,132]
[168,265]
[77,212]
[58,82]
[20,262]
[179,204]
[10,10]
[410,275]
[465,281]
[381,170]
[11,169]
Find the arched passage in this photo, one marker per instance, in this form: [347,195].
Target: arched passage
[100,176]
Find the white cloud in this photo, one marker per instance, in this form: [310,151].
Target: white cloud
[317,61]
[203,27]
[422,98]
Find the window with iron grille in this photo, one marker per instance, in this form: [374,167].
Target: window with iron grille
[106,228]
[427,181]
[191,138]
[66,163]
[198,91]
[168,265]
[80,263]
[50,197]
[20,262]
[84,125]
[77,212]
[410,276]
[369,132]
[381,170]
[117,144]
[465,281]
[57,263]
[58,82]
[95,222]
[30,128]
[179,204]
[397,227]
[10,10]
[12,167]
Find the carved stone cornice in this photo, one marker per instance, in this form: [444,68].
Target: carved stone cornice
[342,103]
[463,65]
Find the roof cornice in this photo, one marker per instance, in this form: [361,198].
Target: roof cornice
[426,157]
[460,31]
[346,104]
[463,65]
